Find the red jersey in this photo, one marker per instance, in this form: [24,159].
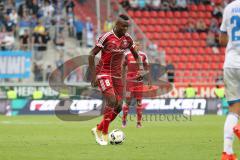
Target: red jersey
[131,63]
[113,49]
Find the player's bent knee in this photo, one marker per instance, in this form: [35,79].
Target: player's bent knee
[111,101]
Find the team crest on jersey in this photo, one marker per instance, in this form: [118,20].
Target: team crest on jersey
[124,44]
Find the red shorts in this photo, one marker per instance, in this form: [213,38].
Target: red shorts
[129,93]
[110,86]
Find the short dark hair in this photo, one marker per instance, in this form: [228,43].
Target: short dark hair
[124,17]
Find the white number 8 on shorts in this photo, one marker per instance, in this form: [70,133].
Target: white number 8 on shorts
[104,83]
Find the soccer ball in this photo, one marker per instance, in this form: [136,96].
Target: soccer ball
[116,137]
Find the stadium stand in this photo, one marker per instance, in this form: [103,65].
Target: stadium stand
[175,32]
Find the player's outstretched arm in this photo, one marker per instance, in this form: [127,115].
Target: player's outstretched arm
[91,63]
[223,39]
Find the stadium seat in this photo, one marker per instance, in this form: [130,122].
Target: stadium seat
[161,14]
[205,66]
[146,14]
[144,21]
[202,43]
[192,50]
[208,50]
[208,15]
[222,58]
[188,36]
[186,43]
[167,21]
[185,50]
[184,21]
[201,7]
[193,14]
[193,7]
[195,43]
[195,36]
[131,13]
[200,50]
[138,14]
[177,14]
[203,36]
[169,50]
[172,35]
[180,65]
[209,8]
[153,14]
[191,58]
[179,35]
[184,14]
[169,14]
[152,21]
[176,21]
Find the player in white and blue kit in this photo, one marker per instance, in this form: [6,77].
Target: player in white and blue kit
[230,36]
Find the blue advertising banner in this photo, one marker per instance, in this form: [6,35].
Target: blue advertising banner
[15,64]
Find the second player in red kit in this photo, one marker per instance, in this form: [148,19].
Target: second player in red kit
[132,70]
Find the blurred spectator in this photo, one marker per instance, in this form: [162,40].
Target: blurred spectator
[8,41]
[218,10]
[38,72]
[2,36]
[25,40]
[170,71]
[22,10]
[89,32]
[181,5]
[108,25]
[214,26]
[9,24]
[165,6]
[211,39]
[59,22]
[69,6]
[14,17]
[47,9]
[201,26]
[37,40]
[33,7]
[58,64]
[125,4]
[70,20]
[24,24]
[155,4]
[172,4]
[9,6]
[78,24]
[141,4]
[47,21]
[190,92]
[60,42]
[133,4]
[190,26]
[48,72]
[45,39]
[155,70]
[40,29]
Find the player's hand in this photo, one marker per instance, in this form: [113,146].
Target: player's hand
[94,83]
[139,76]
[149,85]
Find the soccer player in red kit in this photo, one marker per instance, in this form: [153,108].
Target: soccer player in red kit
[108,73]
[131,81]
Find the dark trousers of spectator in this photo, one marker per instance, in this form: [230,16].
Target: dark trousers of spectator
[70,31]
[171,77]
[79,37]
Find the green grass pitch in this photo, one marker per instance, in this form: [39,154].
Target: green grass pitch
[48,138]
